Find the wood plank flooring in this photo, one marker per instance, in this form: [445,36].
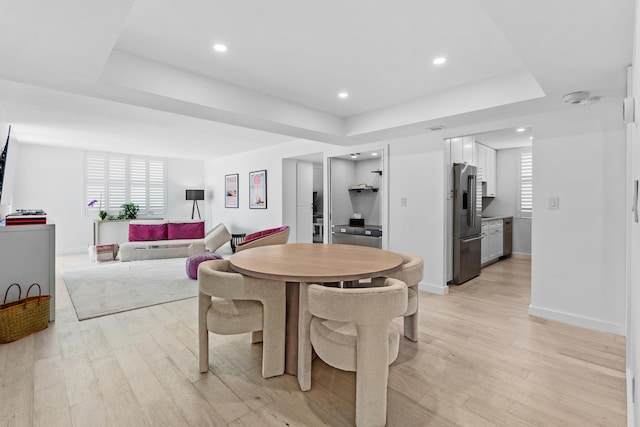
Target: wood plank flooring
[481,361]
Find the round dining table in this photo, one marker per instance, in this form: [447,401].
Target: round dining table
[297,263]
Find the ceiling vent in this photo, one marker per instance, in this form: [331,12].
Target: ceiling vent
[580,98]
[435,128]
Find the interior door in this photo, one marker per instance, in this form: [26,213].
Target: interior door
[304,198]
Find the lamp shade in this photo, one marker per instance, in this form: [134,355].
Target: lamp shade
[195,195]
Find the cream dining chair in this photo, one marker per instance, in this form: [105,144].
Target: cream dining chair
[351,329]
[411,273]
[231,303]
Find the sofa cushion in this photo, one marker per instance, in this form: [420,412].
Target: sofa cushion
[194,261]
[263,233]
[185,230]
[140,232]
[217,237]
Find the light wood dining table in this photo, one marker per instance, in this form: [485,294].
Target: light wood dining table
[297,263]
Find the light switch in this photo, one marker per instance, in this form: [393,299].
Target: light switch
[403,202]
[554,203]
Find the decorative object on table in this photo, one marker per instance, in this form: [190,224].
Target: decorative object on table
[194,261]
[24,316]
[26,217]
[128,211]
[236,239]
[352,330]
[101,214]
[231,191]
[243,304]
[258,189]
[195,195]
[101,253]
[272,236]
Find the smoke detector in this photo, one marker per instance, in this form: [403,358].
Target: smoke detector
[580,98]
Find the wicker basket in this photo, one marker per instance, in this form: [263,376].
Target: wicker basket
[24,316]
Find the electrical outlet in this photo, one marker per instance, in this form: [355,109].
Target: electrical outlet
[554,203]
[403,202]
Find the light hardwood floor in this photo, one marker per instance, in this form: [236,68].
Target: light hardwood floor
[480,361]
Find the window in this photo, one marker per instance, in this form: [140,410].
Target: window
[525,175]
[114,179]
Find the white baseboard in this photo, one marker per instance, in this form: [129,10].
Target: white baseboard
[72,251]
[576,320]
[520,255]
[434,289]
[630,404]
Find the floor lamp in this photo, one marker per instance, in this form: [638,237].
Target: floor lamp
[195,195]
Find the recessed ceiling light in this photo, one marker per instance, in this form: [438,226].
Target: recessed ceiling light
[520,130]
[439,60]
[531,138]
[219,47]
[343,95]
[374,154]
[354,156]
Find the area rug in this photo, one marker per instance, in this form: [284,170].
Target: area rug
[104,289]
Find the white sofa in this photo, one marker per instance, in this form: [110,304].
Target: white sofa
[146,240]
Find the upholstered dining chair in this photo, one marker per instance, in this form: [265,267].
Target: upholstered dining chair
[231,303]
[411,273]
[351,329]
[272,236]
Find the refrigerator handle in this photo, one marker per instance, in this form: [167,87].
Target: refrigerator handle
[471,207]
[635,201]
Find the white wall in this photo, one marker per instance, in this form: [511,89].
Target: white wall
[506,201]
[51,178]
[343,175]
[578,261]
[417,172]
[243,219]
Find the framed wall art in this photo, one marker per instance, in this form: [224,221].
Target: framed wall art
[231,191]
[258,189]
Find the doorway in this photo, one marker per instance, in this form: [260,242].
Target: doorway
[302,201]
[357,199]
[503,159]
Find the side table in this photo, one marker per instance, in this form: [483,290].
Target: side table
[236,238]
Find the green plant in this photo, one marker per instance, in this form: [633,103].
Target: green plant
[102,215]
[128,211]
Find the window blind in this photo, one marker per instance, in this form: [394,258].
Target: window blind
[525,195]
[114,179]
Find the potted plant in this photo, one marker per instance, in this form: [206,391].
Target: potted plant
[128,211]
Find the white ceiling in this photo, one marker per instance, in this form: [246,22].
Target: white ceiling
[140,75]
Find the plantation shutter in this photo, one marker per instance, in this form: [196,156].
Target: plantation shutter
[95,184]
[157,186]
[525,199]
[115,179]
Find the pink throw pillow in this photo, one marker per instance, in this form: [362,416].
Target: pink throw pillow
[186,230]
[146,232]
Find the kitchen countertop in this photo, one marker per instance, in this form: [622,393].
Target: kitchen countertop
[491,218]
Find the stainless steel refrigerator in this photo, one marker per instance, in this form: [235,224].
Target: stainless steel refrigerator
[467,213]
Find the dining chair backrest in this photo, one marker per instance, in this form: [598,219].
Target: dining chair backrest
[364,306]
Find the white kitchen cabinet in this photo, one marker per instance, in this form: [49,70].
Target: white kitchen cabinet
[463,150]
[481,158]
[492,242]
[490,175]
[486,162]
[484,244]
